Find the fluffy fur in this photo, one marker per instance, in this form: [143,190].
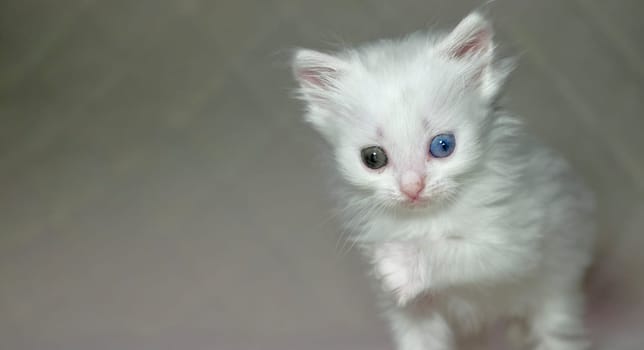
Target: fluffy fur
[502,229]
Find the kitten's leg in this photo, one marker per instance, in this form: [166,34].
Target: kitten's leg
[401,269]
[558,323]
[420,332]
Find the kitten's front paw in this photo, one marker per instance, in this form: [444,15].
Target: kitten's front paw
[401,270]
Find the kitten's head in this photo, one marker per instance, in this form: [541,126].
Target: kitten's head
[406,119]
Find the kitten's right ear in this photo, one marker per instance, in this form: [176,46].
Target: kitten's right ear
[317,73]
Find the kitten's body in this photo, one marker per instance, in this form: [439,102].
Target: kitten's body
[500,229]
[522,257]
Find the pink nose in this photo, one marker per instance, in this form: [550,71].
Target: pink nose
[411,184]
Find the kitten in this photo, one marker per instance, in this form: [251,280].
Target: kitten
[465,219]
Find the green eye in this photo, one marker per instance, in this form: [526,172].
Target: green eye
[374,157]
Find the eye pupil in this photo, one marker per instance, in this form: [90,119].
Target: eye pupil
[442,145]
[374,157]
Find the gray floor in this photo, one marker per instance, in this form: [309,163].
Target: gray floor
[159,190]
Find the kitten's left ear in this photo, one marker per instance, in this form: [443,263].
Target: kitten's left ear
[471,44]
[471,39]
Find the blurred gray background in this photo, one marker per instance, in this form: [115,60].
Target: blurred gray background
[159,190]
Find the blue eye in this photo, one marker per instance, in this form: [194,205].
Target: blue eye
[442,145]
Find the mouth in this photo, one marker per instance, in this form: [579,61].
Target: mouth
[415,203]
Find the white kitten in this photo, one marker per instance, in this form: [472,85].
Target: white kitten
[465,219]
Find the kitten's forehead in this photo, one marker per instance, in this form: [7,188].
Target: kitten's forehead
[401,97]
[401,103]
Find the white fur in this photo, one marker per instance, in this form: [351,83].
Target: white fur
[504,230]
